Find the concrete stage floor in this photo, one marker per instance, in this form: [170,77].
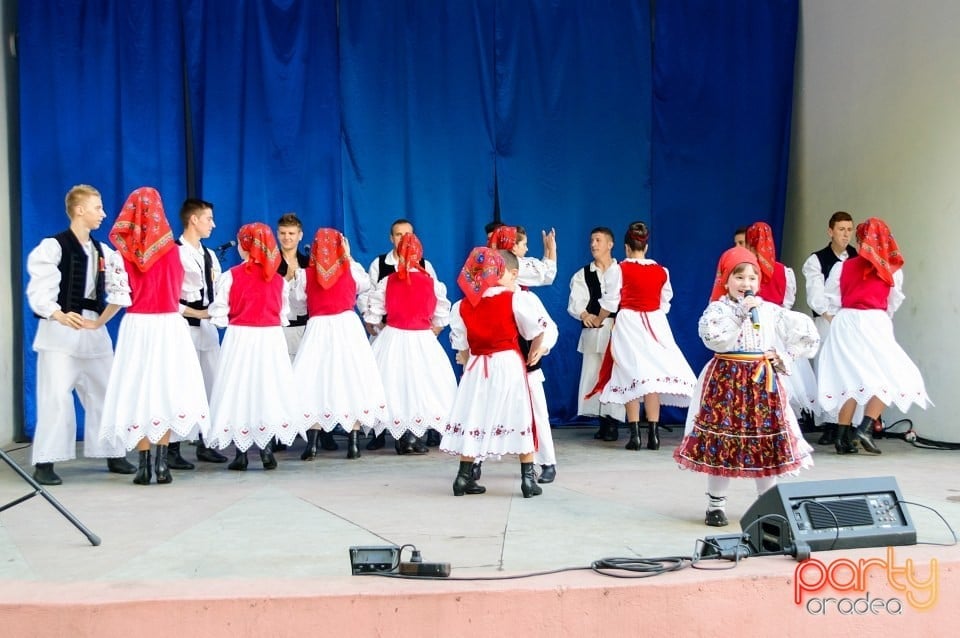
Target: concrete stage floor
[215,534]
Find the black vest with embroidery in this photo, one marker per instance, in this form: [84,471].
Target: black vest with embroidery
[303,261]
[202,303]
[592,279]
[828,259]
[73,275]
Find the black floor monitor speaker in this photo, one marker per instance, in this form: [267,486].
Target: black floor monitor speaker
[838,514]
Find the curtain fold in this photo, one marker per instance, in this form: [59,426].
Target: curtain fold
[101,103]
[573,141]
[417,92]
[723,94]
[265,111]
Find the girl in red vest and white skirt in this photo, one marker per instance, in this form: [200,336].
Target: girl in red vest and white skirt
[155,385]
[492,414]
[778,284]
[643,362]
[254,398]
[417,376]
[861,362]
[741,425]
[335,371]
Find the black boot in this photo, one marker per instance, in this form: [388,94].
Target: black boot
[829,434]
[465,483]
[277,445]
[634,442]
[843,444]
[44,475]
[162,468]
[433,438]
[528,484]
[547,473]
[144,472]
[267,458]
[476,470]
[378,441]
[310,452]
[353,444]
[602,430]
[120,465]
[175,460]
[653,435]
[208,454]
[404,444]
[613,430]
[239,462]
[864,433]
[327,442]
[418,445]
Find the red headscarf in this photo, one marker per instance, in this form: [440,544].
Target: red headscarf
[141,233]
[729,260]
[257,241]
[482,270]
[759,238]
[328,256]
[409,255]
[878,246]
[503,238]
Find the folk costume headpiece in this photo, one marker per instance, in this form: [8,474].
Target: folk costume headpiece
[328,257]
[482,270]
[878,246]
[142,233]
[503,238]
[759,238]
[409,255]
[258,242]
[729,260]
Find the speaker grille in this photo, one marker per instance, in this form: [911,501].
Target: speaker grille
[840,513]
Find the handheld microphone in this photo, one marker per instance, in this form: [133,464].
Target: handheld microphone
[754,315]
[227,246]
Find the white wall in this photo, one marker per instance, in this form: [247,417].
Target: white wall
[7,25]
[877,133]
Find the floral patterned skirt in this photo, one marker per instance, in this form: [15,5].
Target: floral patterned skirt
[741,429]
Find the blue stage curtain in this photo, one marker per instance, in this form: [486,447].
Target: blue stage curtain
[101,103]
[417,94]
[573,141]
[264,104]
[723,92]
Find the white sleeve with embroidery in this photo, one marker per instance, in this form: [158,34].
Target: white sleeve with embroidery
[441,314]
[458,330]
[219,310]
[666,294]
[115,281]
[790,296]
[719,326]
[376,303]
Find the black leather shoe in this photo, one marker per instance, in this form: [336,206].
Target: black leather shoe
[378,441]
[267,458]
[547,473]
[528,486]
[613,431]
[864,434]
[476,470]
[120,465]
[465,483]
[277,445]
[353,444]
[161,467]
[433,438]
[404,444]
[44,475]
[829,434]
[175,460]
[144,471]
[327,442]
[239,462]
[843,444]
[634,442]
[418,445]
[310,452]
[716,518]
[209,455]
[653,435]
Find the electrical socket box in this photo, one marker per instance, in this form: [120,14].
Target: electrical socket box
[374,558]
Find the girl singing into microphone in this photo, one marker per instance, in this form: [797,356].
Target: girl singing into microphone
[744,427]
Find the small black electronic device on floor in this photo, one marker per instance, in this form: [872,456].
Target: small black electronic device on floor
[370,559]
